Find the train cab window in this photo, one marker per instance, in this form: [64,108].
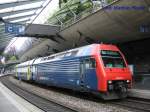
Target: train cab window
[112,59]
[90,63]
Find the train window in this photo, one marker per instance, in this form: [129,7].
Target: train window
[112,59]
[110,53]
[90,63]
[87,66]
[33,69]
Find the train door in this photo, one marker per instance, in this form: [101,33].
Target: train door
[34,72]
[28,73]
[32,69]
[82,73]
[88,78]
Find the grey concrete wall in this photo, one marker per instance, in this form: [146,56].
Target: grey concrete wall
[138,54]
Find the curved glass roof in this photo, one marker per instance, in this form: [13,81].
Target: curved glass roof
[17,11]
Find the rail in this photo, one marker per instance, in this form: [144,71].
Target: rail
[38,99]
[40,102]
[134,104]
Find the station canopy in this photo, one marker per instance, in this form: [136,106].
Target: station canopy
[19,12]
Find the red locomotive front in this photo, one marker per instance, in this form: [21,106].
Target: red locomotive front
[114,76]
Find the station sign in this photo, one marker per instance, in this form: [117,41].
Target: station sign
[13,28]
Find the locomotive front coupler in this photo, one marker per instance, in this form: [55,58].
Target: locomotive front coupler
[120,86]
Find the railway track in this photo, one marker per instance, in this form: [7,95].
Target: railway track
[43,104]
[131,104]
[137,105]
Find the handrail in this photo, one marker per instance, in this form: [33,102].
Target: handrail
[85,13]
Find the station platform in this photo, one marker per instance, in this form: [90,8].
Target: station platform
[9,101]
[141,86]
[139,93]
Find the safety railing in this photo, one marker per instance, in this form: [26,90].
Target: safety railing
[85,13]
[77,18]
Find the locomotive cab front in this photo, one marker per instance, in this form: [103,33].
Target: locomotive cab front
[117,74]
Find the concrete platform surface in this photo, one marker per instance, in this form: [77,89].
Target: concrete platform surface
[10,102]
[139,93]
[6,105]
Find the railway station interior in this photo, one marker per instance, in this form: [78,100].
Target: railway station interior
[101,47]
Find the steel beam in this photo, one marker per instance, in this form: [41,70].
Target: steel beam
[5,42]
[2,36]
[6,39]
[15,4]
[10,13]
[24,21]
[20,17]
[19,21]
[6,35]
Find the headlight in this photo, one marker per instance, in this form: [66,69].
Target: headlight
[109,82]
[128,81]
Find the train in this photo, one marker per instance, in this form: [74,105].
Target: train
[100,69]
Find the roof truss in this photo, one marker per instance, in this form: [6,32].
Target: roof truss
[18,3]
[13,12]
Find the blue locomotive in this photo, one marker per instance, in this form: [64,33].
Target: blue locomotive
[97,68]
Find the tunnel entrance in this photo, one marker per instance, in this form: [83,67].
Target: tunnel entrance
[137,54]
